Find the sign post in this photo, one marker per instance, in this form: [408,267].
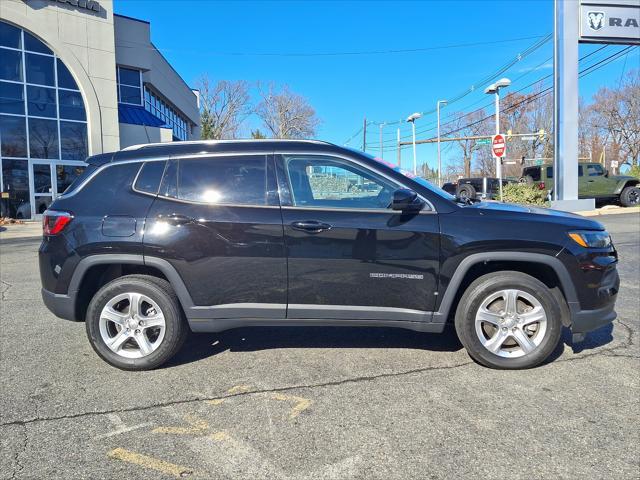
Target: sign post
[587,21]
[499,149]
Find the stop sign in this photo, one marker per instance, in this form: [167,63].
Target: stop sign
[498,146]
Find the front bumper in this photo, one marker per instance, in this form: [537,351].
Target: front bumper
[62,306]
[584,321]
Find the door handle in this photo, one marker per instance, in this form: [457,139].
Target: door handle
[311,226]
[590,181]
[175,219]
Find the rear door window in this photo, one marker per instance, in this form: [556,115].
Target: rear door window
[232,180]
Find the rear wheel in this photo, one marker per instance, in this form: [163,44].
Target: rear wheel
[466,192]
[508,320]
[135,322]
[630,196]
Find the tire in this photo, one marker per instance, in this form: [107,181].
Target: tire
[526,179]
[162,332]
[543,336]
[630,196]
[466,191]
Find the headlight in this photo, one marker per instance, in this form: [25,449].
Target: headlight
[591,239]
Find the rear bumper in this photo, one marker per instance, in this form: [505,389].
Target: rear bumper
[62,306]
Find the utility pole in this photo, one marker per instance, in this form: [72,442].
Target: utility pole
[399,152]
[364,135]
[381,145]
[443,102]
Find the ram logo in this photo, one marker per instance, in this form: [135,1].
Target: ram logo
[596,20]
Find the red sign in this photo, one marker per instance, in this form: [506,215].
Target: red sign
[498,146]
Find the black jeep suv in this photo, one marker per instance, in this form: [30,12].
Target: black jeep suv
[157,240]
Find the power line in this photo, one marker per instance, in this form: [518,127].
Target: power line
[539,80]
[519,57]
[583,73]
[339,54]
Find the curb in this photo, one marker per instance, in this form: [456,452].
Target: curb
[609,211]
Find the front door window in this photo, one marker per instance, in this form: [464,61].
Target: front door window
[323,182]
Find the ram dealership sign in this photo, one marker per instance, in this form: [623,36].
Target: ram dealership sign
[90,5]
[615,21]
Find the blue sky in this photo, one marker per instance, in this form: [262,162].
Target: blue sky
[237,40]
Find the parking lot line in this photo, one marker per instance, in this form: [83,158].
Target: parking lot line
[301,403]
[195,427]
[146,461]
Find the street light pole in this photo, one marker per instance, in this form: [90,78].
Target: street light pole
[495,89]
[412,119]
[443,102]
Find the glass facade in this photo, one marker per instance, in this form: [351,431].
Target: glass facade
[43,124]
[161,109]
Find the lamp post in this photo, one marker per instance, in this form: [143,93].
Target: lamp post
[412,119]
[495,89]
[440,102]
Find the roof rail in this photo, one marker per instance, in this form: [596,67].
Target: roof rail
[214,142]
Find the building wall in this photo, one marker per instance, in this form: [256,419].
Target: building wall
[84,41]
[138,134]
[134,49]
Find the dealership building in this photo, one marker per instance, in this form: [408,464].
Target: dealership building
[78,80]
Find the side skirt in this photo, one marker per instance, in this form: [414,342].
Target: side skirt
[219,324]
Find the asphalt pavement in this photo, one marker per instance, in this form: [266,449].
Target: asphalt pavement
[314,403]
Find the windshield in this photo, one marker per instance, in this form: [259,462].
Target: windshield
[425,183]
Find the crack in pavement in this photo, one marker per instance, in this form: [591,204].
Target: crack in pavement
[366,378]
[609,352]
[17,465]
[5,287]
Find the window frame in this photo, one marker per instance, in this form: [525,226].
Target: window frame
[139,86]
[286,197]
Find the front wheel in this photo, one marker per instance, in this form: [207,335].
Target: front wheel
[630,197]
[135,322]
[508,320]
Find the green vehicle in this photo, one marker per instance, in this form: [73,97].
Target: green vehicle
[594,181]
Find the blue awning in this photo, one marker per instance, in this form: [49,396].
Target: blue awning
[137,115]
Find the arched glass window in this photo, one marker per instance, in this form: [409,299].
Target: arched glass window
[43,122]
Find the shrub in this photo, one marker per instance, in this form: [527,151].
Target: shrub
[524,194]
[634,171]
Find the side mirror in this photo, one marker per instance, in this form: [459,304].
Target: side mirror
[606,172]
[406,200]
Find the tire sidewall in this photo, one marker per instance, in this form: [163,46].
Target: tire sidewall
[172,315]
[479,290]
[624,196]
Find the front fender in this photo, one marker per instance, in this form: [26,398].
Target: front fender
[556,264]
[625,182]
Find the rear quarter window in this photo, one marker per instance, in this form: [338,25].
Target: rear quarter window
[149,177]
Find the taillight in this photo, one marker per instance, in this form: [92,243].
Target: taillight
[541,185]
[53,221]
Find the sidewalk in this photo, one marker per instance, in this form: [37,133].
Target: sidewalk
[20,230]
[609,210]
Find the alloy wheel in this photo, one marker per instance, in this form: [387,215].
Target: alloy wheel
[132,325]
[511,323]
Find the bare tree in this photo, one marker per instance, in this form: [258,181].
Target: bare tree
[616,112]
[223,108]
[286,114]
[468,125]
